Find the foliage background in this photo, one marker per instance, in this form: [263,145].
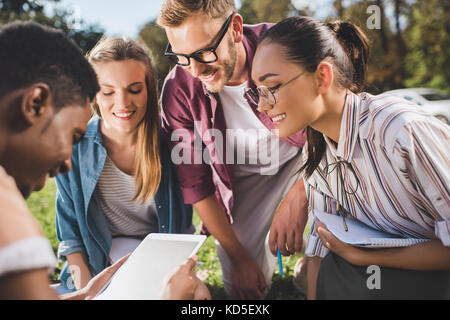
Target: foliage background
[409,50]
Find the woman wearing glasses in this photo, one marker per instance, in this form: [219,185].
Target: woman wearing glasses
[375,159]
[122,186]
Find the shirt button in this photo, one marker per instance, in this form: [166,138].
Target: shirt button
[160,206]
[163,226]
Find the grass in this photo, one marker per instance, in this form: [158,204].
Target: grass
[42,205]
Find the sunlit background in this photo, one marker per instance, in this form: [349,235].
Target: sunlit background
[410,45]
[410,42]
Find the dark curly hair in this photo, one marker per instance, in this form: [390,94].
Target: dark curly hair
[31,53]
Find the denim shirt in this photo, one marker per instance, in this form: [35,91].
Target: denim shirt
[81,225]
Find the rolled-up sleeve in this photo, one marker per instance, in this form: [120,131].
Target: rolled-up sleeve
[67,228]
[194,175]
[422,153]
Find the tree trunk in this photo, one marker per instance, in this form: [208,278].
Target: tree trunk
[339,8]
[401,48]
[383,34]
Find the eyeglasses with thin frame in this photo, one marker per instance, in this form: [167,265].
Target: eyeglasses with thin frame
[207,55]
[267,94]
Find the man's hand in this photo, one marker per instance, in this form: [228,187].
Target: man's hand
[182,283]
[289,221]
[248,281]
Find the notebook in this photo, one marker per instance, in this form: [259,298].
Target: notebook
[141,276]
[359,234]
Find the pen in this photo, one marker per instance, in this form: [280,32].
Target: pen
[280,263]
[342,213]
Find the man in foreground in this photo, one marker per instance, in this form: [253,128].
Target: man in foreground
[46,86]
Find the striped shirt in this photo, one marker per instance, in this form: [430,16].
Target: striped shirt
[394,162]
[115,193]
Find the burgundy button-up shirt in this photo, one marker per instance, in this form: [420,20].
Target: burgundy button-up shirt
[190,111]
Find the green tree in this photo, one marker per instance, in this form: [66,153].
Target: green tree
[12,10]
[428,38]
[257,11]
[154,37]
[339,6]
[253,11]
[399,10]
[386,69]
[410,49]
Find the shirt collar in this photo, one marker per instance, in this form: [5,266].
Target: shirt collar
[349,130]
[93,130]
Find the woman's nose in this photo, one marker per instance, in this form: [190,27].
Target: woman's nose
[263,105]
[122,99]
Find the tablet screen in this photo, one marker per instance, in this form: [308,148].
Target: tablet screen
[141,277]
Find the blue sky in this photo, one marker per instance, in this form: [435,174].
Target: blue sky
[126,18]
[117,17]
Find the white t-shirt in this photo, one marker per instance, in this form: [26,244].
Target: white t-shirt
[256,148]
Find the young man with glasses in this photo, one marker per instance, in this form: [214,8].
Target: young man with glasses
[205,94]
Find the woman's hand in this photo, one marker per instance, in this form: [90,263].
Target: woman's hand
[426,256]
[344,250]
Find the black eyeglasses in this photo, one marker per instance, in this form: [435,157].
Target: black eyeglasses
[207,55]
[265,93]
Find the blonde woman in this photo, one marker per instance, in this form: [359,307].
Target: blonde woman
[121,186]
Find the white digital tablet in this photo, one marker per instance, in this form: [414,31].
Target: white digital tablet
[141,276]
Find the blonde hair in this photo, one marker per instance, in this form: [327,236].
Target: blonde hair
[147,164]
[174,12]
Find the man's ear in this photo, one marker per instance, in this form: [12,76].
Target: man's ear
[36,100]
[237,25]
[324,77]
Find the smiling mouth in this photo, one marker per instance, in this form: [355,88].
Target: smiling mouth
[279,117]
[210,77]
[123,115]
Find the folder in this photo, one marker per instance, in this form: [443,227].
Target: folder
[360,234]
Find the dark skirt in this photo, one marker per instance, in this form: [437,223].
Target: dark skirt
[339,279]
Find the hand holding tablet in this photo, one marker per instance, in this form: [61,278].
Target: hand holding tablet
[182,283]
[142,276]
